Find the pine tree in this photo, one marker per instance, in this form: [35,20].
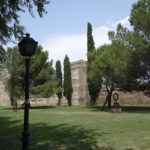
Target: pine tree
[59,81]
[42,75]
[68,90]
[94,84]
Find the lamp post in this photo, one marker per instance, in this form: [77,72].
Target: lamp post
[27,47]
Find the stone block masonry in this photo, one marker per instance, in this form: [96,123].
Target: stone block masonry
[79,82]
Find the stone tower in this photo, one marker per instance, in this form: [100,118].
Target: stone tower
[79,82]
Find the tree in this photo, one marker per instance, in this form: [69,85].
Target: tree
[10,14]
[59,81]
[67,86]
[131,41]
[42,77]
[113,62]
[15,69]
[90,42]
[94,83]
[111,65]
[140,18]
[140,58]
[10,27]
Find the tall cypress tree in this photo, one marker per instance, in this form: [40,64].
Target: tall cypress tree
[93,82]
[59,81]
[68,90]
[90,42]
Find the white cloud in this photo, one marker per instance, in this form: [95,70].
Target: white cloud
[125,22]
[100,35]
[72,45]
[75,45]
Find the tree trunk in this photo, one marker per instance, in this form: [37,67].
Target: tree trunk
[103,107]
[12,101]
[109,95]
[108,100]
[59,102]
[14,104]
[93,101]
[69,102]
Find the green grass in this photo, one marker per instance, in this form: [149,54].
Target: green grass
[76,128]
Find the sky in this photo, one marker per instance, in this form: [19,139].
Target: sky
[63,29]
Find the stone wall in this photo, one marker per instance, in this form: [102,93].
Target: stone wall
[80,91]
[4,98]
[127,98]
[81,96]
[79,83]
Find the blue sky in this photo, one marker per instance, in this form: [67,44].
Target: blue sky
[63,29]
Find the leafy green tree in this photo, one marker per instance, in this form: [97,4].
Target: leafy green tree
[131,41]
[114,60]
[111,62]
[10,11]
[59,81]
[94,83]
[140,18]
[67,86]
[138,62]
[15,69]
[42,77]
[139,65]
[10,27]
[111,65]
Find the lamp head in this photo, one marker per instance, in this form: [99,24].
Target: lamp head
[27,46]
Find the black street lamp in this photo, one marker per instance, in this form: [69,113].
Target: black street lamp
[27,47]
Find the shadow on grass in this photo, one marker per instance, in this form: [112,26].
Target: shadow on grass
[136,109]
[42,107]
[129,109]
[32,107]
[10,138]
[63,137]
[48,137]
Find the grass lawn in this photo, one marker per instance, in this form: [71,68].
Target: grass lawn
[76,128]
